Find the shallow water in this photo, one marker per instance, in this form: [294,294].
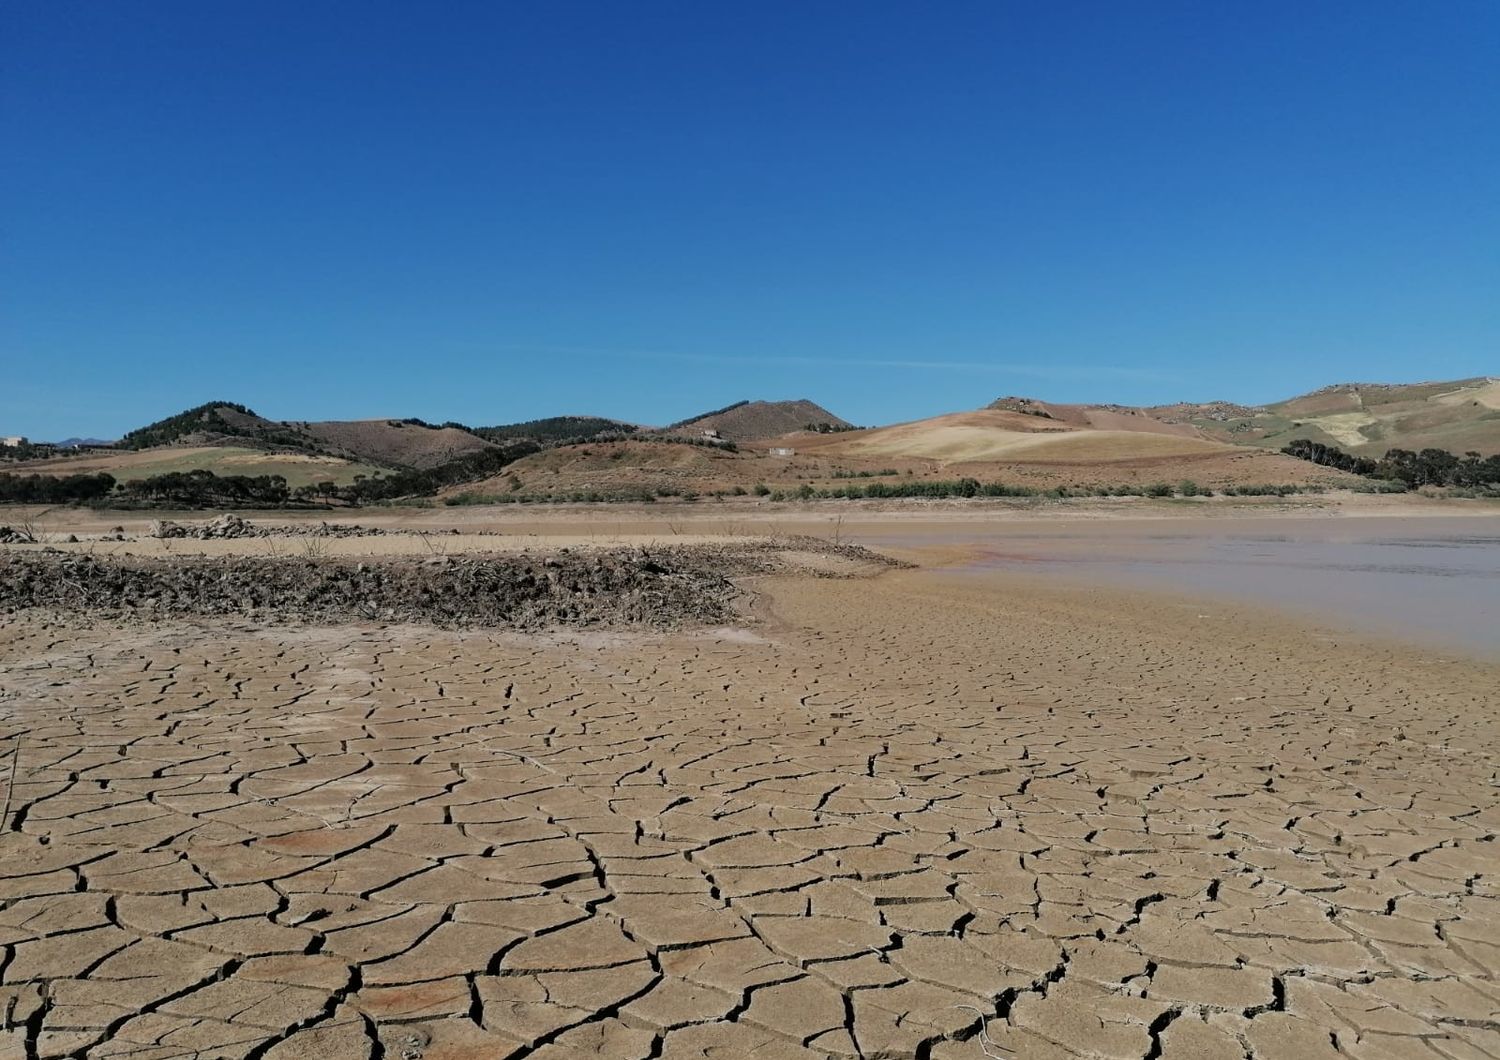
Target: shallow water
[1431,580]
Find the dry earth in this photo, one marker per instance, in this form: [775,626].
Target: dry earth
[915,815]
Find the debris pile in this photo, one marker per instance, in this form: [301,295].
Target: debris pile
[231,526]
[660,589]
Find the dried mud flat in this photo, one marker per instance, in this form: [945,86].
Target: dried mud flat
[914,816]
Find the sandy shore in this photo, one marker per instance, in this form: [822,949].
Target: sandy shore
[889,815]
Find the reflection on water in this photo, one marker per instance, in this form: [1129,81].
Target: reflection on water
[1431,580]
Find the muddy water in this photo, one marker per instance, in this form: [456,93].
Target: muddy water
[1435,581]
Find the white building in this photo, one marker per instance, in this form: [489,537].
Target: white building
[781,451]
[13,441]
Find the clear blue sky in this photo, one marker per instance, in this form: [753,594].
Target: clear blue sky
[490,212]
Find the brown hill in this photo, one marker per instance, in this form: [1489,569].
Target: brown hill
[1100,417]
[997,435]
[396,443]
[407,443]
[392,443]
[757,420]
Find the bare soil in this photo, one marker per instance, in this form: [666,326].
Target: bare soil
[931,814]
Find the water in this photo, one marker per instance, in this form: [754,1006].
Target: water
[1435,581]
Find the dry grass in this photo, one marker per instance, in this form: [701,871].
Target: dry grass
[298,469]
[995,436]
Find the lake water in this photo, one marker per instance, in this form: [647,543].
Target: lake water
[1433,580]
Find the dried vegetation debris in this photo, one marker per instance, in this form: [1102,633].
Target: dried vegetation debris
[230,527]
[655,588]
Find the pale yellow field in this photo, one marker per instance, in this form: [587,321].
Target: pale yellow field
[297,468]
[1343,426]
[1488,394]
[989,436]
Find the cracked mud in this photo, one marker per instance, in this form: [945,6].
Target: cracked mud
[908,817]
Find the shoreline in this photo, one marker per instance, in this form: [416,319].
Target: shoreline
[1338,566]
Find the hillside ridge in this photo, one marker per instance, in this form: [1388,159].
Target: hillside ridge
[758,420]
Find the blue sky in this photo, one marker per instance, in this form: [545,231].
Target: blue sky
[490,212]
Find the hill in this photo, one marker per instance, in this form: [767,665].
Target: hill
[1370,418]
[391,443]
[795,445]
[991,446]
[207,422]
[1100,417]
[748,421]
[994,434]
[1070,446]
[1362,418]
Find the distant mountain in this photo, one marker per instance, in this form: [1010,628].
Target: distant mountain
[81,443]
[757,420]
[1027,439]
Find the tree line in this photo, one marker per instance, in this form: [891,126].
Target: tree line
[1427,467]
[555,430]
[54,489]
[830,428]
[206,489]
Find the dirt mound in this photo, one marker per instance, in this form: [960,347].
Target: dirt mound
[629,588]
[658,588]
